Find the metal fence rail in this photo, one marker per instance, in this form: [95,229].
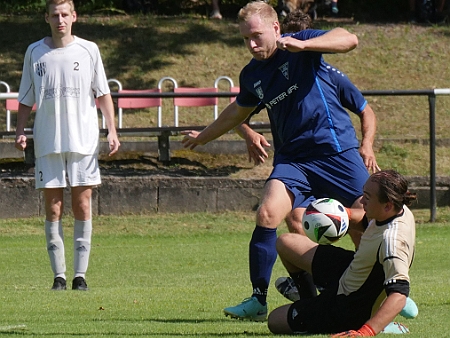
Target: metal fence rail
[429,93]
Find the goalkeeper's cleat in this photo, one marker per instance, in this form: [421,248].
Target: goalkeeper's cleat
[410,310]
[287,287]
[249,309]
[395,328]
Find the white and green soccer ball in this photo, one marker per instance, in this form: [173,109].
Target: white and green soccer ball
[325,221]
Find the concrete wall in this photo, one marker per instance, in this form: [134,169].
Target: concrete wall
[120,194]
[152,194]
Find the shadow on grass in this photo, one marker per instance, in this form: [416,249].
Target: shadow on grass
[139,166]
[23,331]
[128,334]
[178,167]
[144,42]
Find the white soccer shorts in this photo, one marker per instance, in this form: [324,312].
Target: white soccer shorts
[81,170]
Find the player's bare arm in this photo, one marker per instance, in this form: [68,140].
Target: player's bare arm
[230,117]
[107,108]
[255,143]
[368,130]
[22,117]
[337,40]
[390,308]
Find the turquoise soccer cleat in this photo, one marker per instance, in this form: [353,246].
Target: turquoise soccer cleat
[249,309]
[395,328]
[410,310]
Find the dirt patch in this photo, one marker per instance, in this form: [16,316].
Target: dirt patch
[183,163]
[186,163]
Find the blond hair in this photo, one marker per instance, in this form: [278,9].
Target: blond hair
[265,11]
[48,3]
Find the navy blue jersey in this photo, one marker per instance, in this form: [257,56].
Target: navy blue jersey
[349,96]
[302,101]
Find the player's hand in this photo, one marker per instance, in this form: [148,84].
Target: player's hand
[369,159]
[255,147]
[113,142]
[289,43]
[21,142]
[190,139]
[364,331]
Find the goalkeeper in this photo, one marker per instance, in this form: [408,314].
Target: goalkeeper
[353,282]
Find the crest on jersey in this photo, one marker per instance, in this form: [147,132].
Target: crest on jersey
[260,93]
[285,70]
[40,68]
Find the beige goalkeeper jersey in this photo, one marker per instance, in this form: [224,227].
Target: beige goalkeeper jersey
[390,244]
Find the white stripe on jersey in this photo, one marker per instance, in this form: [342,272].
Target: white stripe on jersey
[391,236]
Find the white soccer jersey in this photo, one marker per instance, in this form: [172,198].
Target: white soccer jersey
[63,82]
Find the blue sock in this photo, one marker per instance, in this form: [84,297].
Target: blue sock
[263,255]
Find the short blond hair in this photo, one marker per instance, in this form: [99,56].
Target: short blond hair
[266,12]
[48,3]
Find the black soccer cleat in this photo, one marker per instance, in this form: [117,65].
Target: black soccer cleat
[59,284]
[79,283]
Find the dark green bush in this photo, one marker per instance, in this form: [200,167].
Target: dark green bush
[22,6]
[362,10]
[374,10]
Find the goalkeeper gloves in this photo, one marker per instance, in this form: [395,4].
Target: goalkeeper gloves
[364,331]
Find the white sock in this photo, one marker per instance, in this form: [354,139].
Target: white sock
[55,247]
[82,233]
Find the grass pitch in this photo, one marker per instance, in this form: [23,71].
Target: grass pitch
[171,275]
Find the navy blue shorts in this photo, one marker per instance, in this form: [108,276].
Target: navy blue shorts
[341,176]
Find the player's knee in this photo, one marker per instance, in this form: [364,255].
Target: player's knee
[268,217]
[277,321]
[54,211]
[294,224]
[285,241]
[81,209]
